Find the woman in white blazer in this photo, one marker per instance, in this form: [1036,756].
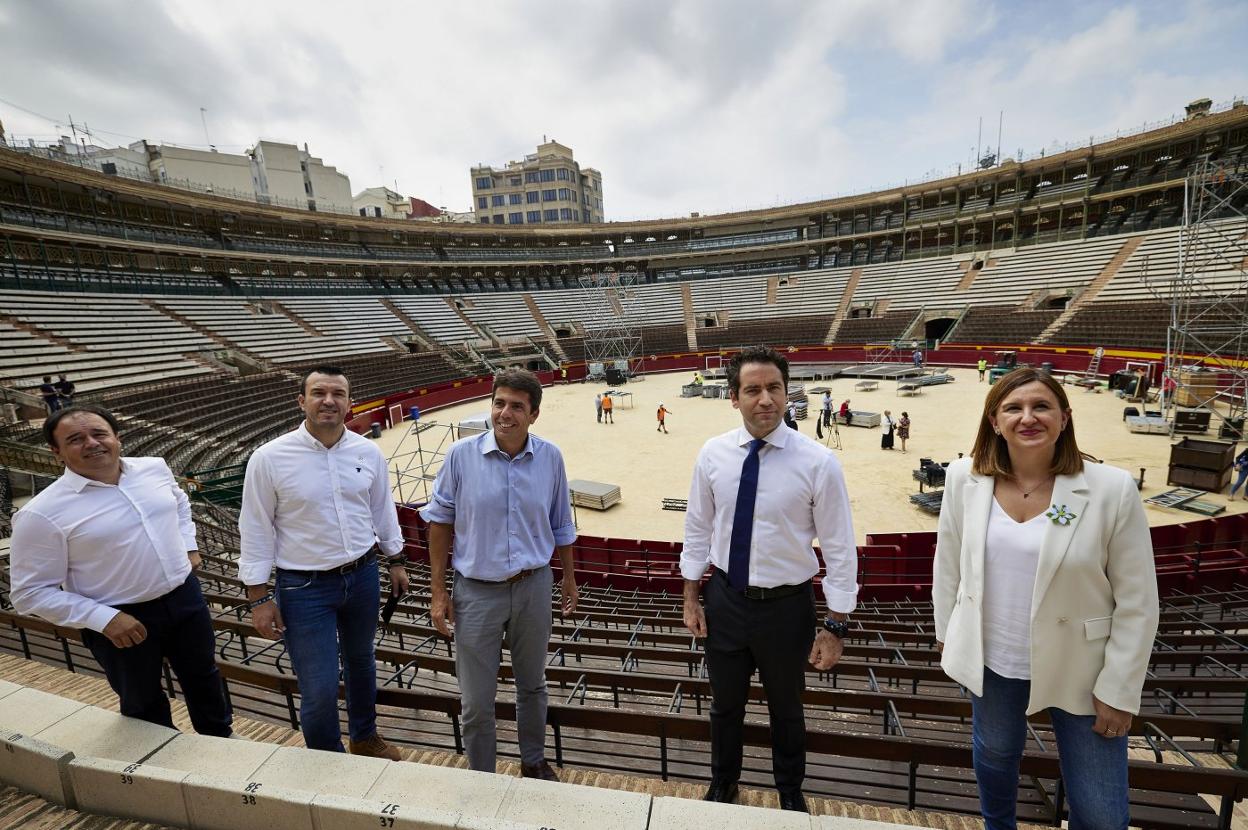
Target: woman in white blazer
[1045,597]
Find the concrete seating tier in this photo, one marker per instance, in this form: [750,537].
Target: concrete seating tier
[882,329]
[1001,324]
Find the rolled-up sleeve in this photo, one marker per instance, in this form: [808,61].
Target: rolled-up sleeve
[835,529]
[257,533]
[561,521]
[695,554]
[186,521]
[441,506]
[384,511]
[38,567]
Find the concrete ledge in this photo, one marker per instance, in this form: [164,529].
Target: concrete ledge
[689,814]
[340,812]
[327,773]
[31,711]
[228,758]
[7,688]
[96,733]
[137,791]
[217,804]
[444,789]
[38,767]
[575,807]
[843,823]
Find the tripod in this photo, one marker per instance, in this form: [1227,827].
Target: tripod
[832,437]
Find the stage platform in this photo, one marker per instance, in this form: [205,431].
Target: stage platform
[881,371]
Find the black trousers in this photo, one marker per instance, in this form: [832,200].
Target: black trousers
[179,629]
[773,636]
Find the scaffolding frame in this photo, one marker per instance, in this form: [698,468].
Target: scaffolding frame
[416,460]
[1208,294]
[610,308]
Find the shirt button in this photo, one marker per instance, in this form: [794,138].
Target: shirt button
[1061,619]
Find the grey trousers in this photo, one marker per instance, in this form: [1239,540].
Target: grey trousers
[486,614]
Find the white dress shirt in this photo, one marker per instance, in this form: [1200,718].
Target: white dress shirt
[801,496]
[82,547]
[1011,552]
[307,507]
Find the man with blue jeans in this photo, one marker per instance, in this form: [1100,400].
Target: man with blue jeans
[316,503]
[504,495]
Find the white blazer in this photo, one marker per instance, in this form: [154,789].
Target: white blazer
[1094,608]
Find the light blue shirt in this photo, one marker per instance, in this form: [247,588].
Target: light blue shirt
[509,513]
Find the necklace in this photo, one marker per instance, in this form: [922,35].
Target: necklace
[1027,493]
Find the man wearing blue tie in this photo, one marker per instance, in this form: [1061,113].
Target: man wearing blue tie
[760,601]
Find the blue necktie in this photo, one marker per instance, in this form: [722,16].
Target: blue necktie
[743,520]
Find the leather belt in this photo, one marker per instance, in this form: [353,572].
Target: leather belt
[511,580]
[355,564]
[764,594]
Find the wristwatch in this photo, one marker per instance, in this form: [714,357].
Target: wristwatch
[838,628]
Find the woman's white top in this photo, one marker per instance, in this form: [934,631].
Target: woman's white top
[1011,552]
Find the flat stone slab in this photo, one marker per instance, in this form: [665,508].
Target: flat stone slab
[689,814]
[136,791]
[7,688]
[842,823]
[340,812]
[226,757]
[31,711]
[101,734]
[36,766]
[445,789]
[328,773]
[574,807]
[217,804]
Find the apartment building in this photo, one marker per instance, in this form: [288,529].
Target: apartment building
[547,188]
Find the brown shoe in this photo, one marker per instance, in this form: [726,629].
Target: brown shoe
[542,771]
[375,747]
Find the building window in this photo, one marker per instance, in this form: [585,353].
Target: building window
[565,214]
[515,181]
[485,220]
[576,214]
[377,212]
[483,202]
[363,211]
[563,173]
[533,197]
[534,216]
[484,183]
[515,218]
[564,194]
[515,198]
[548,195]
[530,177]
[548,175]
[498,219]
[574,199]
[498,201]
[551,215]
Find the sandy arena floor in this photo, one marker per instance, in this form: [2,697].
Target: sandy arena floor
[649,466]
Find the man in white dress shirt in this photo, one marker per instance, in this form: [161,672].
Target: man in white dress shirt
[316,504]
[760,494]
[109,548]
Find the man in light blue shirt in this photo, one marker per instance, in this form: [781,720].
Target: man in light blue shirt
[504,495]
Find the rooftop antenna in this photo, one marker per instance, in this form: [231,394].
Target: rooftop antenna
[1000,121]
[203,118]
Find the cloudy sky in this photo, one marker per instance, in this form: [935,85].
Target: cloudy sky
[685,105]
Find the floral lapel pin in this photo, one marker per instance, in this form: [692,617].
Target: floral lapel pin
[1060,515]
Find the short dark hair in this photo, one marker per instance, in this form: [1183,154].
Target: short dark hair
[49,423]
[755,354]
[322,370]
[521,380]
[991,455]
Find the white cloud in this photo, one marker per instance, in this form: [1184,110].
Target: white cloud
[684,105]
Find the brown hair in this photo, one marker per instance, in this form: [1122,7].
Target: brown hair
[521,380]
[991,455]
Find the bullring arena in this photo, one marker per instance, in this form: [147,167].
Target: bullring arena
[192,316]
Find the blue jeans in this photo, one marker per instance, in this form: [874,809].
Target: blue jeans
[1094,769]
[1240,477]
[326,613]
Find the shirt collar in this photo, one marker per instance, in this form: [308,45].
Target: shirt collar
[489,444]
[77,482]
[315,443]
[778,437]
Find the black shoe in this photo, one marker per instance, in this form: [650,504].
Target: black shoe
[724,792]
[542,771]
[793,801]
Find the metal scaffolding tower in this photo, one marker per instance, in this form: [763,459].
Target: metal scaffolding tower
[610,309]
[1208,296]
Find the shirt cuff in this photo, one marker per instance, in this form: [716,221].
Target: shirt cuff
[692,570]
[391,547]
[254,574]
[434,512]
[100,617]
[565,535]
[190,543]
[838,600]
